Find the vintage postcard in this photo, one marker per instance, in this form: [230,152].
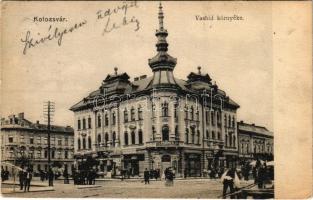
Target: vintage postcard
[156,99]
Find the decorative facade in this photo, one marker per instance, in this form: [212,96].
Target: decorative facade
[158,121]
[254,142]
[22,139]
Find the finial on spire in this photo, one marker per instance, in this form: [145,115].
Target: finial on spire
[115,70]
[161,17]
[199,69]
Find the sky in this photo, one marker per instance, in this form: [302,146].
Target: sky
[236,54]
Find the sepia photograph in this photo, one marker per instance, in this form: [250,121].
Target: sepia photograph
[138,99]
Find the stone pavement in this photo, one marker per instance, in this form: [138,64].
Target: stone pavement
[192,188]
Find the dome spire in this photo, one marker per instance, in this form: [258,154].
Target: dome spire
[162,60]
[161,17]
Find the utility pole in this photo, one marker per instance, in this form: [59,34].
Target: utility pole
[49,109]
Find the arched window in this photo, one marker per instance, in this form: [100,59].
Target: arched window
[113,138]
[164,109]
[234,141]
[153,110]
[193,135]
[226,140]
[187,136]
[213,135]
[191,112]
[89,142]
[212,118]
[133,137]
[125,115]
[84,123]
[233,122]
[165,133]
[153,133]
[106,119]
[207,134]
[99,121]
[230,141]
[207,116]
[176,133]
[198,136]
[99,138]
[140,112]
[89,122]
[175,110]
[229,121]
[140,136]
[186,112]
[78,144]
[126,138]
[113,118]
[225,120]
[84,143]
[197,115]
[106,139]
[132,114]
[218,135]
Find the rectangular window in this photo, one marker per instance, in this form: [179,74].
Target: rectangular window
[46,154]
[31,140]
[38,140]
[89,122]
[66,141]
[59,141]
[45,140]
[99,121]
[22,138]
[78,125]
[66,154]
[10,139]
[84,123]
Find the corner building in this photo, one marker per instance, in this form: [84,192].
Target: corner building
[157,122]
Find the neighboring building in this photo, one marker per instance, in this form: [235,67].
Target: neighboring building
[157,122]
[21,138]
[254,142]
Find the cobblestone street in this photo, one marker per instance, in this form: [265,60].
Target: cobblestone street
[197,188]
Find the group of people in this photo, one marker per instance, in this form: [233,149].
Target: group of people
[169,176]
[84,177]
[25,178]
[261,174]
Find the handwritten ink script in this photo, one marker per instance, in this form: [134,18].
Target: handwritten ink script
[112,18]
[121,10]
[54,33]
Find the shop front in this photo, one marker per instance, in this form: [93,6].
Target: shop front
[133,164]
[192,165]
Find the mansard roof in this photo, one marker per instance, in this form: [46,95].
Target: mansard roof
[143,86]
[252,128]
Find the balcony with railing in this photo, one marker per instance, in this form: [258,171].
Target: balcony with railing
[175,143]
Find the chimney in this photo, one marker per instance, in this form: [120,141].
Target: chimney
[136,78]
[37,122]
[241,122]
[253,124]
[21,115]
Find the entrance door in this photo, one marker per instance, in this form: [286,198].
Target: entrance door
[166,162]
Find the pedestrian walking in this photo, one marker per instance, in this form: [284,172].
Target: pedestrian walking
[146,175]
[66,178]
[50,177]
[169,177]
[42,175]
[21,178]
[27,179]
